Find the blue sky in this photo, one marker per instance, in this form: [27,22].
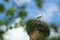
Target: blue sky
[50,9]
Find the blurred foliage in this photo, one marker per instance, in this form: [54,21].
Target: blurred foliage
[54,26]
[11,11]
[22,13]
[22,23]
[55,38]
[58,38]
[6,0]
[1,33]
[10,27]
[30,25]
[7,29]
[1,22]
[2,8]
[33,24]
[39,3]
[16,25]
[22,7]
[6,22]
[41,26]
[41,38]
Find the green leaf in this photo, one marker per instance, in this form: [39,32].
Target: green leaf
[10,12]
[54,26]
[22,7]
[1,33]
[54,39]
[58,38]
[6,0]
[11,18]
[39,3]
[22,23]
[22,14]
[6,23]
[10,27]
[6,29]
[1,22]
[2,8]
[16,25]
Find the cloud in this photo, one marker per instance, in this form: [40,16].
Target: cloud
[16,34]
